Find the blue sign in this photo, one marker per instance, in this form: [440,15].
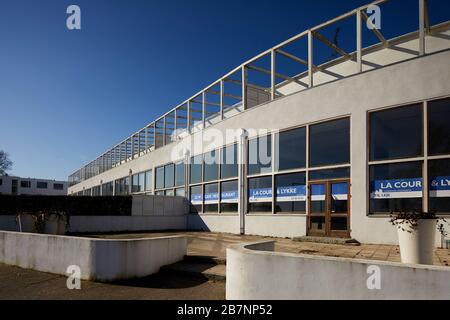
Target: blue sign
[440,186]
[196,198]
[229,196]
[211,198]
[260,195]
[339,191]
[291,193]
[317,192]
[396,188]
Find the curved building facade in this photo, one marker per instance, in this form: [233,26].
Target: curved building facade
[328,150]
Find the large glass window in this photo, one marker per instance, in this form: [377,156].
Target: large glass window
[290,193]
[137,183]
[439,185]
[211,166]
[229,164]
[180,192]
[260,194]
[211,197]
[291,151]
[196,196]
[196,169]
[122,186]
[179,174]
[159,178]
[107,189]
[330,143]
[148,181]
[229,196]
[439,127]
[96,191]
[325,174]
[260,155]
[396,133]
[396,186]
[169,175]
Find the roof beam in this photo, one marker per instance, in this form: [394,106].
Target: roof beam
[282,76]
[327,42]
[377,32]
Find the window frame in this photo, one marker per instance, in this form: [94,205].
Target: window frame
[425,158]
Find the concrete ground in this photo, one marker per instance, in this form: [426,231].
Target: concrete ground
[18,284]
[200,276]
[214,244]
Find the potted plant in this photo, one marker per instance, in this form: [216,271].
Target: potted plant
[416,234]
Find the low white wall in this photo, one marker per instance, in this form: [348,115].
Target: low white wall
[80,224]
[256,274]
[98,259]
[275,225]
[228,223]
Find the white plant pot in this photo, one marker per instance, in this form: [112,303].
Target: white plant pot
[417,245]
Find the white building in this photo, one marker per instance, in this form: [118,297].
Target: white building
[348,139]
[32,186]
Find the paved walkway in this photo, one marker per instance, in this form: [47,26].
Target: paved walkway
[18,284]
[214,244]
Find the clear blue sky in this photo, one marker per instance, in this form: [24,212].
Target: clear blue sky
[67,96]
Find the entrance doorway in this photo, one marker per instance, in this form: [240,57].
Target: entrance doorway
[329,208]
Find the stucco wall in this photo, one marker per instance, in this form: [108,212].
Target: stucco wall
[256,274]
[98,259]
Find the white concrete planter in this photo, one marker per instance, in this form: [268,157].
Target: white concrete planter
[417,245]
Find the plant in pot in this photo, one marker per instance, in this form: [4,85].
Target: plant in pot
[416,234]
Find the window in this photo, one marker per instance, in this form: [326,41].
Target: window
[260,155]
[229,196]
[107,189]
[160,178]
[179,174]
[211,166]
[137,183]
[329,143]
[211,198]
[180,192]
[396,186]
[169,175]
[335,173]
[87,192]
[169,192]
[291,192]
[229,162]
[25,184]
[291,150]
[148,181]
[160,193]
[41,185]
[438,127]
[196,169]
[396,133]
[439,185]
[260,194]
[196,199]
[58,186]
[122,186]
[96,191]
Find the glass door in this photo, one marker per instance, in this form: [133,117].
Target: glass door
[329,208]
[317,209]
